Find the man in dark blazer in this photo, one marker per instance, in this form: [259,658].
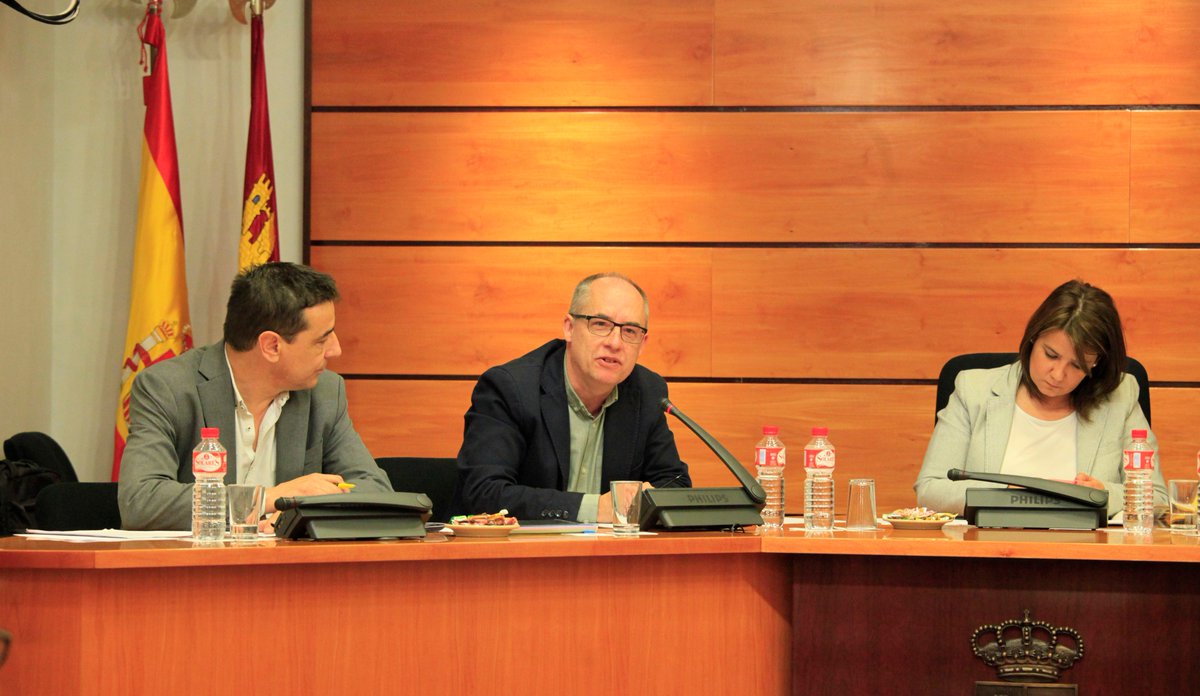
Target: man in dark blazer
[547,432]
[265,386]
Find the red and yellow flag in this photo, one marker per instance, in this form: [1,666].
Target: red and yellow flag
[159,325]
[260,233]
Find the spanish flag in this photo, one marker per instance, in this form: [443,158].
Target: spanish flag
[260,233]
[159,325]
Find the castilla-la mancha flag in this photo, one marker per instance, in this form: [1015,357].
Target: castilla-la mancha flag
[159,325]
[260,232]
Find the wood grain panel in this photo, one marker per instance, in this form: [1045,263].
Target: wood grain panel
[902,312]
[833,52]
[1165,177]
[720,177]
[359,635]
[480,52]
[881,431]
[460,311]
[875,313]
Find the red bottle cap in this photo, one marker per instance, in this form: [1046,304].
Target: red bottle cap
[770,430]
[1138,434]
[206,433]
[820,430]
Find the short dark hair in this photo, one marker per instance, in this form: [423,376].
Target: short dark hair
[1089,317]
[273,297]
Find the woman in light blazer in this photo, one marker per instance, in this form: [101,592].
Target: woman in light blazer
[1063,411]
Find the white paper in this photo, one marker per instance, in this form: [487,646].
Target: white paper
[94,535]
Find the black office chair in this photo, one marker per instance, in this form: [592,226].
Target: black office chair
[43,450]
[974,361]
[63,506]
[436,477]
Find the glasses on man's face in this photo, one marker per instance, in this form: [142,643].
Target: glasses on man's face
[599,326]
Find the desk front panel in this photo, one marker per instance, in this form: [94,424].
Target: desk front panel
[685,624]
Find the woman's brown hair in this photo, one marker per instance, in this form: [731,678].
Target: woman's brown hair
[1089,318]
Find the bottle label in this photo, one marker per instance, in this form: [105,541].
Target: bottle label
[770,456]
[1138,459]
[819,458]
[208,462]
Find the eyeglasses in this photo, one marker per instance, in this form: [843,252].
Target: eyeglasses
[630,333]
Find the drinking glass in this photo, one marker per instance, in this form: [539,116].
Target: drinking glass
[860,511]
[1182,493]
[627,506]
[246,506]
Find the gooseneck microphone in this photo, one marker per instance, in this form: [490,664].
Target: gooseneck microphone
[1075,493]
[753,489]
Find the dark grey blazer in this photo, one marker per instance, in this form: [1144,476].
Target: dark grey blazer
[173,399]
[516,451]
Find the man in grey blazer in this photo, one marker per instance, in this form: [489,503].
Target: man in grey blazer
[283,418]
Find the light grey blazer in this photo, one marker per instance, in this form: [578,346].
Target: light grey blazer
[972,433]
[173,399]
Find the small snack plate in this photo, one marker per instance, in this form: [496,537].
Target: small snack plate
[482,531]
[915,524]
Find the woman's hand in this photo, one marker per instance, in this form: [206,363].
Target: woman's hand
[1085,480]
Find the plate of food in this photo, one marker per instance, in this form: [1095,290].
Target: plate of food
[918,518]
[484,526]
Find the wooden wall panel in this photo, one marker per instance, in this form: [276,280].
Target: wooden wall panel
[717,177]
[471,161]
[484,52]
[881,431]
[459,311]
[853,313]
[1164,176]
[900,313]
[1018,52]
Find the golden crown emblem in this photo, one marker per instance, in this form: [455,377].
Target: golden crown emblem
[1027,650]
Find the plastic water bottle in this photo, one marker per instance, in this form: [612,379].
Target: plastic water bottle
[1139,486]
[770,456]
[208,495]
[820,456]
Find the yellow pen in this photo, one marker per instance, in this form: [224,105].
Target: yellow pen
[345,486]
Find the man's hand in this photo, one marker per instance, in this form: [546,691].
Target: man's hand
[604,509]
[310,484]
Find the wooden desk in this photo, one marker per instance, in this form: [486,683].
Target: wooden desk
[893,612]
[699,614]
[875,613]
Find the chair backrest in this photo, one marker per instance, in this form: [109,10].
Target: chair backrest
[77,505]
[43,450]
[436,477]
[975,361]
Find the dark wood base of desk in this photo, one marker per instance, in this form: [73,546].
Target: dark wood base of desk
[888,624]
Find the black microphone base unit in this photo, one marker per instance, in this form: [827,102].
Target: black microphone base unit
[1017,508]
[685,509]
[349,516]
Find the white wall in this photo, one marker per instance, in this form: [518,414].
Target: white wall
[81,160]
[26,204]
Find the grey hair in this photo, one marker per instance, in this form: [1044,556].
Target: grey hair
[583,292]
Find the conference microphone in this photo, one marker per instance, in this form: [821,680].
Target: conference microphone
[282,504]
[752,487]
[1083,495]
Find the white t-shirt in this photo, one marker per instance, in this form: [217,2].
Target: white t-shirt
[1041,448]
